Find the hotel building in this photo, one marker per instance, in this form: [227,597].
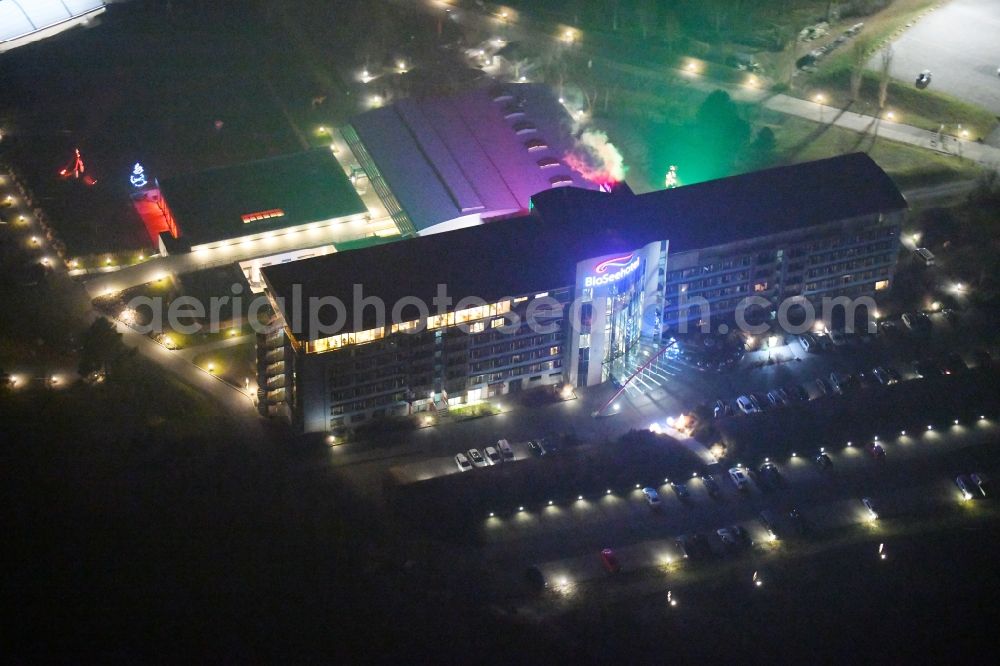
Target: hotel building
[565,292]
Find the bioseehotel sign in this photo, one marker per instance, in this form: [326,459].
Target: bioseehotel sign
[612,270]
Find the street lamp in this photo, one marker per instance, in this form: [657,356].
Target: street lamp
[819,100]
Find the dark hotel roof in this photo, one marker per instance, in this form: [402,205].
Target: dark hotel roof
[447,157]
[540,251]
[309,187]
[735,208]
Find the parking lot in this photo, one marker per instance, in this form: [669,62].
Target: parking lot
[958,43]
[564,539]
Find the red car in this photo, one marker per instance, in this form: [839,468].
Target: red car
[610,561]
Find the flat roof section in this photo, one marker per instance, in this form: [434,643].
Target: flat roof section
[261,196]
[737,208]
[540,251]
[447,157]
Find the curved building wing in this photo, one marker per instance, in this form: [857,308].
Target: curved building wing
[25,21]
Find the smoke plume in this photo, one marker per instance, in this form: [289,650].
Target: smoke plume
[596,158]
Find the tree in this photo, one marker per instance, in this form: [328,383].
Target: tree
[671,30]
[885,64]
[859,58]
[763,145]
[721,133]
[101,347]
[645,14]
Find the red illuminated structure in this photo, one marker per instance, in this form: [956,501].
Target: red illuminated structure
[155,214]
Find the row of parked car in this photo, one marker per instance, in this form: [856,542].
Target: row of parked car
[494,455]
[974,485]
[489,456]
[840,383]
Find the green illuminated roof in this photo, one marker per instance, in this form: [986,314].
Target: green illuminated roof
[307,187]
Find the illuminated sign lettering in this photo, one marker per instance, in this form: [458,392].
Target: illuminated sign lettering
[612,270]
[138,176]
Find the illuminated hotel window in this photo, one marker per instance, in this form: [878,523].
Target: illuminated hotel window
[881,284]
[585,341]
[497,323]
[343,340]
[404,326]
[262,215]
[542,295]
[520,299]
[760,286]
[554,350]
[478,327]
[467,315]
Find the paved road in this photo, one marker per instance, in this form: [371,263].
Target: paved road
[960,43]
[600,59]
[238,404]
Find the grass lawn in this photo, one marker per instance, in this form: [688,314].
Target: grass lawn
[801,140]
[233,364]
[921,108]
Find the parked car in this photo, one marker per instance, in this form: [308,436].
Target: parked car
[982,358]
[798,522]
[882,376]
[463,462]
[870,506]
[746,405]
[759,401]
[824,461]
[694,546]
[734,538]
[768,476]
[536,448]
[739,478]
[808,343]
[711,485]
[982,482]
[876,451]
[926,369]
[965,485]
[775,399]
[769,521]
[652,497]
[535,579]
[953,364]
[492,455]
[839,382]
[477,458]
[505,450]
[918,322]
[680,489]
[838,337]
[822,387]
[722,408]
[610,561]
[798,393]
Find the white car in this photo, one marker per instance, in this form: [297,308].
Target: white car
[492,455]
[505,450]
[739,478]
[745,404]
[872,513]
[463,462]
[477,458]
[652,497]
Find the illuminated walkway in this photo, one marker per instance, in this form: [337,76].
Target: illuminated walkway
[177,264]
